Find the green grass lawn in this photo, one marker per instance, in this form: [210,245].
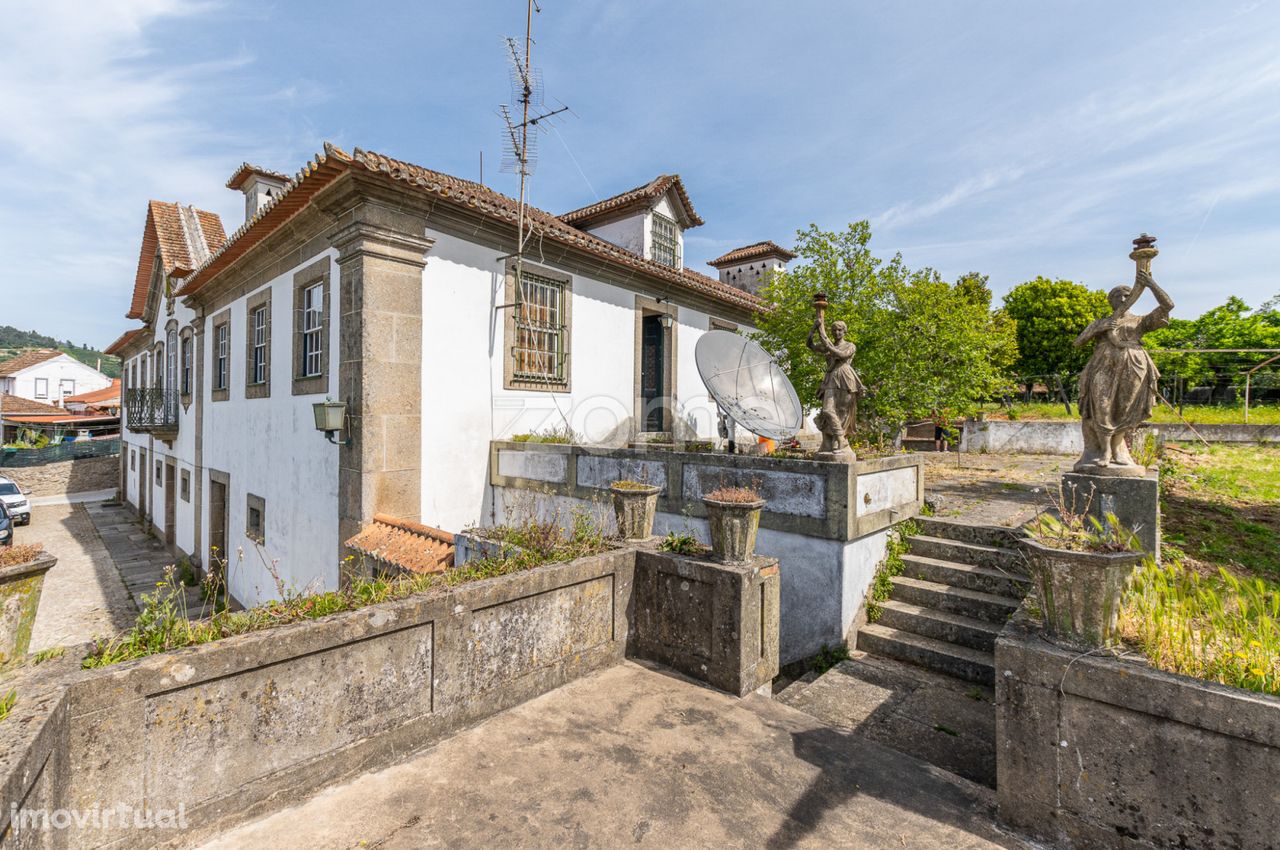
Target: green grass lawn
[1195,414]
[1221,508]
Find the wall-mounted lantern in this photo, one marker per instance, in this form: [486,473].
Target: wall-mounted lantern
[331,416]
[666,320]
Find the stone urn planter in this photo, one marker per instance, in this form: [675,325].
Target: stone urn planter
[1079,592]
[20,586]
[734,521]
[634,504]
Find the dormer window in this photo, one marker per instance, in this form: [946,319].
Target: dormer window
[666,241]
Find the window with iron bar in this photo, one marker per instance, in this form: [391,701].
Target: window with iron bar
[312,326]
[260,345]
[666,241]
[539,353]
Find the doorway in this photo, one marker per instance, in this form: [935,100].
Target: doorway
[217,525]
[652,373]
[170,502]
[143,486]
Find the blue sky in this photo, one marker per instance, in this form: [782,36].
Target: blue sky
[1008,138]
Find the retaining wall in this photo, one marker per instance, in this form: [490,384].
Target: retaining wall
[1098,752]
[1063,437]
[68,476]
[228,730]
[827,523]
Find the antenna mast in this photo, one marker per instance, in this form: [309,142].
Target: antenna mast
[526,88]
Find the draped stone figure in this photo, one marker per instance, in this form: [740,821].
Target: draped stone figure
[840,386]
[1118,385]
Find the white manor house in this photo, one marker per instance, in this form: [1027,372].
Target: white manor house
[391,288]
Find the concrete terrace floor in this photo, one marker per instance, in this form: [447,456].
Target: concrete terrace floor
[639,757]
[992,489]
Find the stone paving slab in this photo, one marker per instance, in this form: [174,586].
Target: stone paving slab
[942,720]
[992,489]
[636,756]
[83,595]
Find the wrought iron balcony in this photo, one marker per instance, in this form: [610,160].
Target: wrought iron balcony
[151,410]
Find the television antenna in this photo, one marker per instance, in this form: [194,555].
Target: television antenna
[748,386]
[527,102]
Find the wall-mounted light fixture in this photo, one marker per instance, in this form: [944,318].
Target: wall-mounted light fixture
[331,417]
[666,319]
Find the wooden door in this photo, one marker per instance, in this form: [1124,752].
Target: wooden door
[652,361]
[170,502]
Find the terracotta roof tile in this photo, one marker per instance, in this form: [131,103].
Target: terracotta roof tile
[185,238]
[248,169]
[111,393]
[18,405]
[327,166]
[751,252]
[640,196]
[124,340]
[410,546]
[27,359]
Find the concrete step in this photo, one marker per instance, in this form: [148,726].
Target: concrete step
[791,692]
[978,554]
[969,576]
[939,625]
[954,600]
[961,662]
[986,535]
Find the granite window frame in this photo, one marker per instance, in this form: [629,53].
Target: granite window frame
[255,305]
[221,343]
[186,365]
[256,504]
[513,380]
[318,274]
[184,485]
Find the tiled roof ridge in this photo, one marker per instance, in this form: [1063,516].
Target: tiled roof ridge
[27,359]
[236,180]
[18,405]
[479,197]
[170,228]
[551,226]
[763,248]
[656,187]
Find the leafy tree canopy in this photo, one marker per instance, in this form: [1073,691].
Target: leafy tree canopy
[1050,314]
[924,344]
[1231,325]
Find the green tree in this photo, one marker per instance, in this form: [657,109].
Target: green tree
[1231,325]
[924,344]
[1050,314]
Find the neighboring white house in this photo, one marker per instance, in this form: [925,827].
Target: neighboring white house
[393,289]
[48,375]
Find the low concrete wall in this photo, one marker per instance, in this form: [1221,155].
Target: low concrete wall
[1063,437]
[68,476]
[1102,753]
[225,731]
[828,529]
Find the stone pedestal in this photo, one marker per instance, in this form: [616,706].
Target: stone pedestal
[1134,501]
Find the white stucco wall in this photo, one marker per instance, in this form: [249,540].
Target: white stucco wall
[55,370]
[627,233]
[465,405]
[269,447]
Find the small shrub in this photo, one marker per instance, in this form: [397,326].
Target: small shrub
[734,495]
[680,544]
[11,556]
[633,486]
[892,565]
[1075,530]
[563,436]
[186,574]
[50,654]
[7,702]
[828,657]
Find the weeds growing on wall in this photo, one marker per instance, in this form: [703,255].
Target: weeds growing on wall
[682,543]
[563,436]
[892,565]
[163,623]
[1218,628]
[828,657]
[7,702]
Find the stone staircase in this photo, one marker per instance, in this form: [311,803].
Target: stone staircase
[959,586]
[921,678]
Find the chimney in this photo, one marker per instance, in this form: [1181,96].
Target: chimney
[748,267]
[259,186]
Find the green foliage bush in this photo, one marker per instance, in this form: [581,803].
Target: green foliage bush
[1049,315]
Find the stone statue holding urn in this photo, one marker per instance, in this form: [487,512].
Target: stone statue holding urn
[1118,385]
[840,386]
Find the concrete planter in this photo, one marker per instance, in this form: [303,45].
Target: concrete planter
[1079,592]
[635,508]
[733,527]
[20,587]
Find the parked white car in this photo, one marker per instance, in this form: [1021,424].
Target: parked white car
[16,501]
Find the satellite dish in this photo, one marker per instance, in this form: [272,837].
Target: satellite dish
[748,385]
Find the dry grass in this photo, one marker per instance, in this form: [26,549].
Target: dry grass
[733,495]
[11,556]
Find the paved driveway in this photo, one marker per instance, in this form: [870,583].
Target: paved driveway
[83,595]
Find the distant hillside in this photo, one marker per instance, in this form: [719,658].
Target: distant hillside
[13,342]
